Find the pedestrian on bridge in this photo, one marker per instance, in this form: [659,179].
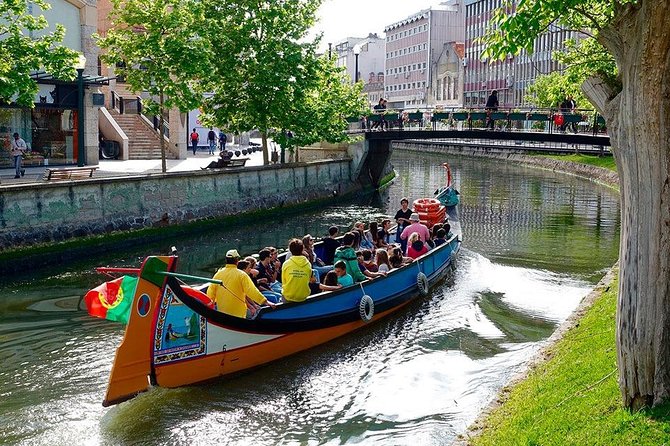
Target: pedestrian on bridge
[491,106]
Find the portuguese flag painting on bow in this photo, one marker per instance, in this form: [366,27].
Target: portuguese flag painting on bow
[112,300]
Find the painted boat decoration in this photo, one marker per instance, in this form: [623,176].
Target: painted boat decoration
[175,336]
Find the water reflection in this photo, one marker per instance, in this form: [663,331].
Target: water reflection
[534,243]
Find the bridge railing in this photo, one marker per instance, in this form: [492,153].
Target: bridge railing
[531,119]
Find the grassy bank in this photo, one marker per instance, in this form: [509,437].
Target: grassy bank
[573,398]
[606,162]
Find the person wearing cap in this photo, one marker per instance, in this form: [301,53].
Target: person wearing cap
[231,297]
[416,226]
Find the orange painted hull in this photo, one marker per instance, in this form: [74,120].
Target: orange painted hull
[233,361]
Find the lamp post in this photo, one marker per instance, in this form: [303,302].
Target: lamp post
[330,50]
[81,155]
[357,51]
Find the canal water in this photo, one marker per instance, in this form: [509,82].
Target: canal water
[535,243]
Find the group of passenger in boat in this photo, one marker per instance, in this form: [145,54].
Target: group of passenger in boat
[360,254]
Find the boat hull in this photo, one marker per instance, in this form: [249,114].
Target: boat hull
[175,338]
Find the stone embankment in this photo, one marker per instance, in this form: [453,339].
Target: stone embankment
[44,213]
[592,173]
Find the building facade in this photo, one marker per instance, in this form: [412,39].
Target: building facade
[511,76]
[51,129]
[413,46]
[370,62]
[447,73]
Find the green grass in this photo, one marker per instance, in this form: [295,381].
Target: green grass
[606,162]
[573,398]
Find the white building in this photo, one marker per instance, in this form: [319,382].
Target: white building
[413,45]
[370,60]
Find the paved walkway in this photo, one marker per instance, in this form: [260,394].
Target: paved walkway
[117,168]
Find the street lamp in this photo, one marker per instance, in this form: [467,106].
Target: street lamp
[80,66]
[357,51]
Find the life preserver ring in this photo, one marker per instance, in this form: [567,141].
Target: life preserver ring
[433,217]
[426,204]
[422,284]
[366,308]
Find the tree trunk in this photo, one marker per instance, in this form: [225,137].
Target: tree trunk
[639,126]
[161,132]
[266,153]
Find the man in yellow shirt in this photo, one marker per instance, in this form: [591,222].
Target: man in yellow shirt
[231,297]
[296,273]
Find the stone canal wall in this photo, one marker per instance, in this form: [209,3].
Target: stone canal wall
[49,212]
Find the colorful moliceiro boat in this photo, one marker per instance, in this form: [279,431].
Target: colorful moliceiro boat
[174,337]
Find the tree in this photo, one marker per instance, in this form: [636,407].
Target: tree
[161,53]
[634,98]
[549,90]
[24,49]
[265,75]
[322,115]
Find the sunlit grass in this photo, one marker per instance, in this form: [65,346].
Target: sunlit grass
[573,398]
[606,162]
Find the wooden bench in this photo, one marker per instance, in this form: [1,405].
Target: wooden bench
[238,162]
[69,173]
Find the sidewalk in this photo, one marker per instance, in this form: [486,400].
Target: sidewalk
[116,168]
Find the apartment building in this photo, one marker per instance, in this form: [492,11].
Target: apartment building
[413,45]
[511,76]
[370,57]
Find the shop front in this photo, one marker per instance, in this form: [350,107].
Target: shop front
[49,129]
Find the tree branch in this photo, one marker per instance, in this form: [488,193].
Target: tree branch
[599,93]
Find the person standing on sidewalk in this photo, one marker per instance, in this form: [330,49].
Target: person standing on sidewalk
[222,140]
[211,141]
[194,140]
[19,148]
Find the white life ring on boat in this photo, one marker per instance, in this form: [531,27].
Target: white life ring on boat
[366,308]
[422,284]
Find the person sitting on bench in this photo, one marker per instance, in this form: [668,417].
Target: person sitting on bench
[224,158]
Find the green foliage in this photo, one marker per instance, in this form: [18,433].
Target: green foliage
[606,162]
[323,114]
[157,42]
[264,74]
[549,90]
[512,33]
[24,49]
[574,398]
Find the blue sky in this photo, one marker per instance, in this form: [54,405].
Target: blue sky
[357,18]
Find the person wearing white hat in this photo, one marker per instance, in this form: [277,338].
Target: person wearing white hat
[416,226]
[231,297]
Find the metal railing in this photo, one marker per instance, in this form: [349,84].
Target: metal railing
[507,119]
[133,105]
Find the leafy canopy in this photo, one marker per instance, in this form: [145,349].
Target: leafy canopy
[515,27]
[158,50]
[25,48]
[263,74]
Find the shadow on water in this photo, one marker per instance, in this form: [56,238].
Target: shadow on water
[514,323]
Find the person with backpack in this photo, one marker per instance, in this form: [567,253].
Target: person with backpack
[211,141]
[194,140]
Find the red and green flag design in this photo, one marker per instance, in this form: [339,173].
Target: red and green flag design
[112,300]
